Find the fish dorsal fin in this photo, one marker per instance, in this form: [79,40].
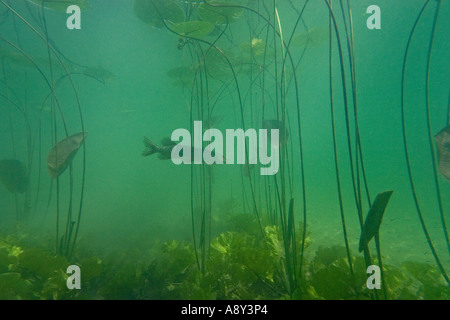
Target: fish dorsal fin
[167,142]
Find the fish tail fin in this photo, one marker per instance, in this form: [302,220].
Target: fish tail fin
[150,147]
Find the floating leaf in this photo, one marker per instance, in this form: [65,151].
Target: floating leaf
[219,15]
[14,175]
[193,29]
[153,12]
[255,49]
[61,155]
[374,218]
[313,37]
[183,76]
[216,64]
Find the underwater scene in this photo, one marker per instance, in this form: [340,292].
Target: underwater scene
[224,149]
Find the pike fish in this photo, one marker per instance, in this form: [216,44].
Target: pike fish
[164,150]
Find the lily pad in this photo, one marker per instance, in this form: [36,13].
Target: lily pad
[313,37]
[41,263]
[216,64]
[153,12]
[219,15]
[255,47]
[183,76]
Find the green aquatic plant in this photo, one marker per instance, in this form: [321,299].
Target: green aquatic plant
[153,12]
[97,73]
[196,29]
[313,38]
[248,71]
[31,273]
[329,278]
[333,280]
[252,260]
[173,275]
[255,48]
[240,222]
[373,220]
[13,287]
[52,69]
[182,76]
[123,283]
[240,266]
[430,284]
[62,154]
[216,65]
[200,103]
[19,60]
[406,147]
[185,76]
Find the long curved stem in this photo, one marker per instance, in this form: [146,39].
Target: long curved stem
[430,135]
[406,152]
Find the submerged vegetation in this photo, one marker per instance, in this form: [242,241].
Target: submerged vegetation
[251,64]
[241,265]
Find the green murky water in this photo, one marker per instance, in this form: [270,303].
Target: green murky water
[357,110]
